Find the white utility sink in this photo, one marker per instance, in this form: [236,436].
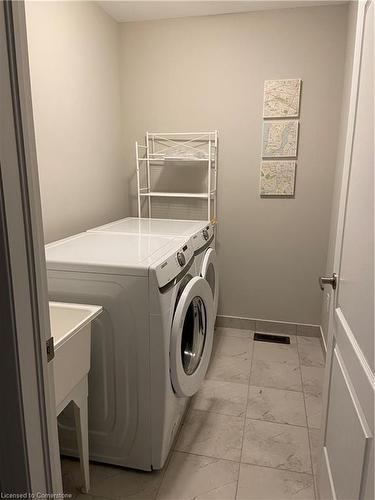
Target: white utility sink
[71,332]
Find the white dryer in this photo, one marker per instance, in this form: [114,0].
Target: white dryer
[151,346]
[202,234]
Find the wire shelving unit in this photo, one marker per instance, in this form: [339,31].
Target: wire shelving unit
[192,149]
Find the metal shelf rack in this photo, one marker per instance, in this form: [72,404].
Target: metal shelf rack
[195,149]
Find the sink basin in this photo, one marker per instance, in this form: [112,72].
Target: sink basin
[71,331]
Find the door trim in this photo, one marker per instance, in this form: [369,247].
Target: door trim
[13,452]
[24,234]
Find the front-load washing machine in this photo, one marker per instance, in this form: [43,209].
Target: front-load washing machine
[151,346]
[202,234]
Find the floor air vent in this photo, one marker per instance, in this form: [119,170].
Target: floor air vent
[268,337]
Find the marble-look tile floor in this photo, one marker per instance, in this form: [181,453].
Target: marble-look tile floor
[251,432]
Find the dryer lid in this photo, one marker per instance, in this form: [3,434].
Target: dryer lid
[126,254]
[136,225]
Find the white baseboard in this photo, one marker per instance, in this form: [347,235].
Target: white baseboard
[323,340]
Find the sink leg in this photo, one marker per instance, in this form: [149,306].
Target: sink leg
[81,424]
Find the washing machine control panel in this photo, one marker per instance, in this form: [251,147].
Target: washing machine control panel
[169,268]
[201,237]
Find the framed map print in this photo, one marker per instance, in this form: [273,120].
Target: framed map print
[277,178]
[281,98]
[280,138]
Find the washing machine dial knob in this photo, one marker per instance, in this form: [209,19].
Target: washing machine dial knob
[181,259]
[205,234]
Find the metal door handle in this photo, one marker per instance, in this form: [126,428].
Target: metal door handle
[328,280]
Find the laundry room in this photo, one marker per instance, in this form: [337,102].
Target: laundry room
[199,177]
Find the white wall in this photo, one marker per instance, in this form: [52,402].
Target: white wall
[75,75]
[193,73]
[207,73]
[352,16]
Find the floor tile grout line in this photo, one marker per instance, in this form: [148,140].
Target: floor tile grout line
[251,366]
[121,470]
[251,343]
[207,456]
[278,388]
[308,433]
[247,333]
[243,415]
[286,423]
[277,468]
[223,381]
[274,387]
[243,463]
[317,364]
[304,404]
[167,462]
[216,413]
[226,380]
[278,423]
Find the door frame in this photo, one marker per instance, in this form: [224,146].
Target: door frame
[364,371]
[32,424]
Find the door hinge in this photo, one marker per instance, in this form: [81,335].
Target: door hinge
[50,349]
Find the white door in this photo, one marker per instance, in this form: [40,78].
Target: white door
[347,452]
[191,337]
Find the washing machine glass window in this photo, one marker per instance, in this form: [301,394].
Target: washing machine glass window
[191,337]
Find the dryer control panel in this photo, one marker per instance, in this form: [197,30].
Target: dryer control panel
[173,265]
[201,238]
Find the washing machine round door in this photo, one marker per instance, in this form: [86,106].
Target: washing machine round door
[191,337]
[210,272]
